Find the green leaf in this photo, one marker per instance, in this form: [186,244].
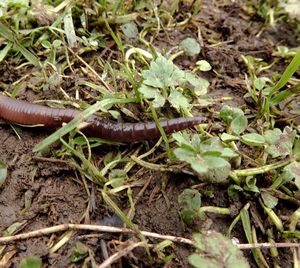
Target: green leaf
[294,170]
[259,83]
[4,51]
[9,35]
[79,252]
[203,65]
[182,138]
[215,251]
[207,158]
[279,143]
[3,173]
[189,202]
[197,84]
[229,153]
[205,101]
[273,135]
[148,92]
[239,124]
[162,74]
[228,113]
[130,30]
[228,137]
[190,46]
[289,71]
[57,43]
[251,184]
[199,164]
[70,28]
[269,200]
[184,155]
[296,149]
[31,262]
[212,144]
[201,261]
[253,139]
[46,44]
[215,162]
[178,100]
[152,93]
[177,77]
[17,3]
[219,174]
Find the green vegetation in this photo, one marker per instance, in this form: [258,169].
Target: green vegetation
[105,57]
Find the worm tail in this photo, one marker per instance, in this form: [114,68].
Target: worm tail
[131,132]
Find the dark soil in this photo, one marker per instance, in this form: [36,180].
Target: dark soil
[56,194]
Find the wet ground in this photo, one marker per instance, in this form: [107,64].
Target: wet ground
[54,194]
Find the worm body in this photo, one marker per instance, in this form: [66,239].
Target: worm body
[28,114]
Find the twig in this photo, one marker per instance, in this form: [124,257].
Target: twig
[120,254]
[268,245]
[89,227]
[110,229]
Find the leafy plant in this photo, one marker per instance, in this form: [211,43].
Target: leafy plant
[237,124]
[209,158]
[79,252]
[31,262]
[279,143]
[164,81]
[234,118]
[190,209]
[190,46]
[214,251]
[189,202]
[292,171]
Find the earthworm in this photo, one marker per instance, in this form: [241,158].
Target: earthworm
[28,114]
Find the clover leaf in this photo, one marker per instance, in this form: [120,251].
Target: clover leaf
[162,74]
[197,84]
[293,171]
[279,143]
[190,46]
[215,250]
[189,202]
[164,81]
[209,158]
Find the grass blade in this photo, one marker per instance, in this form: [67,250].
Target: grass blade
[4,51]
[289,71]
[9,35]
[68,127]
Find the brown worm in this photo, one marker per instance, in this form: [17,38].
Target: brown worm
[28,114]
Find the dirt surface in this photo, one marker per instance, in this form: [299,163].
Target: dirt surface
[56,195]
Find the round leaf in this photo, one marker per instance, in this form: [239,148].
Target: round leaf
[190,46]
[31,262]
[228,113]
[130,30]
[259,83]
[178,100]
[269,200]
[239,124]
[253,139]
[203,65]
[198,84]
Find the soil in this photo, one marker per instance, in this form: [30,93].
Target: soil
[55,194]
